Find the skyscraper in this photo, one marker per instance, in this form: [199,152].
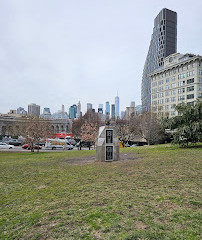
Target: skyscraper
[107,111]
[163,43]
[113,111]
[117,106]
[89,106]
[78,110]
[34,109]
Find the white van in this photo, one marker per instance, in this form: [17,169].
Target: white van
[58,144]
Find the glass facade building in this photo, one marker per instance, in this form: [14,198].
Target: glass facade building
[116,106]
[163,43]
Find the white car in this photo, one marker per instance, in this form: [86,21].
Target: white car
[5,146]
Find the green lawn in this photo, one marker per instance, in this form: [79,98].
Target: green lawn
[155,195]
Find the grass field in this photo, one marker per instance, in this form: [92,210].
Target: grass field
[153,194]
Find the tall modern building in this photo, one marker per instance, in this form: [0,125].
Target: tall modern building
[113,111]
[163,43]
[72,111]
[117,106]
[78,114]
[107,111]
[89,106]
[34,109]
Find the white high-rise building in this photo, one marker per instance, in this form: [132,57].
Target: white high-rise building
[78,114]
[116,106]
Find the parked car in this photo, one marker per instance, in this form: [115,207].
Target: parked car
[25,146]
[6,146]
[15,142]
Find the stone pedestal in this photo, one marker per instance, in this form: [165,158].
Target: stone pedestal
[107,146]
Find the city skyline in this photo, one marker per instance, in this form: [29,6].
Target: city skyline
[71,51]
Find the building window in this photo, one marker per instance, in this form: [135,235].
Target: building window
[167,93]
[154,96]
[200,95]
[200,87]
[200,80]
[173,85]
[190,80]
[173,78]
[167,87]
[167,80]
[167,100]
[166,107]
[173,92]
[173,113]
[191,73]
[181,76]
[189,89]
[160,82]
[200,71]
[181,98]
[154,84]
[160,95]
[190,103]
[181,83]
[160,89]
[160,101]
[181,90]
[190,96]
[173,99]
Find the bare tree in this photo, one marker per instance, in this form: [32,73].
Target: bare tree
[36,130]
[89,132]
[150,128]
[128,130]
[76,127]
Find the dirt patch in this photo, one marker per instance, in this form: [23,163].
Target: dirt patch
[92,159]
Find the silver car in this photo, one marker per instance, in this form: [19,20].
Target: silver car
[5,146]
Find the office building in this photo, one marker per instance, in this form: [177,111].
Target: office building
[46,113]
[78,114]
[72,112]
[180,80]
[132,104]
[117,106]
[138,109]
[122,114]
[107,110]
[21,111]
[163,43]
[129,113]
[89,106]
[113,111]
[34,109]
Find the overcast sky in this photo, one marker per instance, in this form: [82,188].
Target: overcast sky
[55,52]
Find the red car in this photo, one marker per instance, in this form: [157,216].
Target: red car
[25,146]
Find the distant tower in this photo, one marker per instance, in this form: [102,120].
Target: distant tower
[107,111]
[78,110]
[89,106]
[34,109]
[63,108]
[116,106]
[113,111]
